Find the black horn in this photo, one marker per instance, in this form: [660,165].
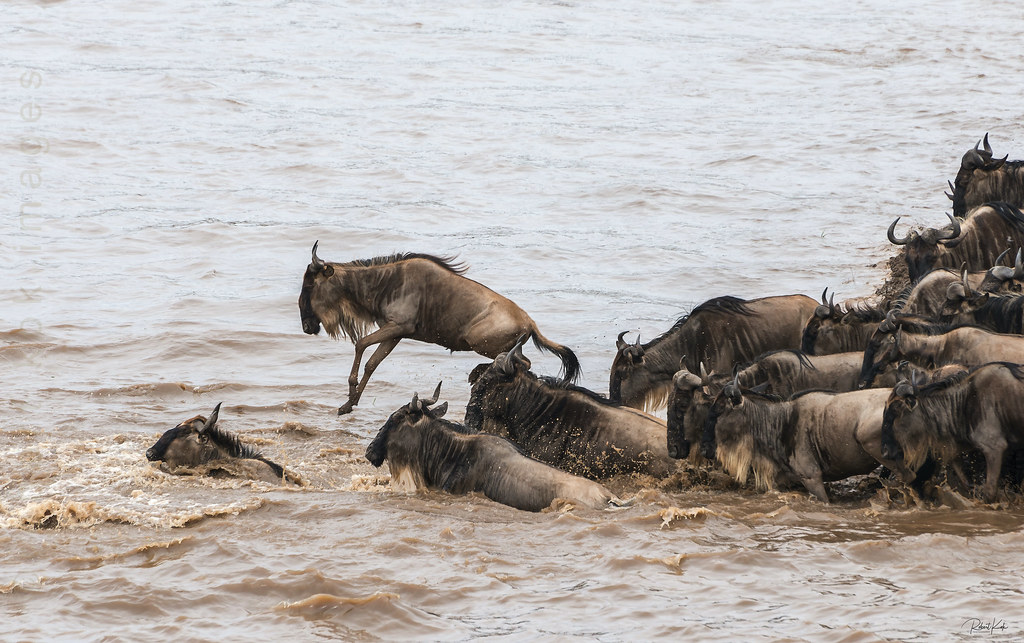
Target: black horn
[433,398]
[213,418]
[892,236]
[953,234]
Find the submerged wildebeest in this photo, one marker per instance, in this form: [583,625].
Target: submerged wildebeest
[835,329]
[981,410]
[566,426]
[968,346]
[812,438]
[976,241]
[982,179]
[199,441]
[414,296]
[719,333]
[424,450]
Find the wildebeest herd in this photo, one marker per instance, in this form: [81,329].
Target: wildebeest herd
[785,390]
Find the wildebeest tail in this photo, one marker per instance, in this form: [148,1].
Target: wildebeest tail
[570,364]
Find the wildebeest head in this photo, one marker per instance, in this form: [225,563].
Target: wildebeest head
[1004,278]
[922,248]
[881,351]
[193,442]
[491,384]
[901,402]
[317,270]
[688,404]
[961,301]
[730,397]
[629,380]
[399,432]
[974,166]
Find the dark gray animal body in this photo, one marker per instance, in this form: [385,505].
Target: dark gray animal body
[412,296]
[813,438]
[982,179]
[198,441]
[835,329]
[720,333]
[977,241]
[983,410]
[423,450]
[566,426]
[966,346]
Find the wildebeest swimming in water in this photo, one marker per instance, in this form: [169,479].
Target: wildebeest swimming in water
[414,296]
[720,332]
[814,437]
[982,409]
[566,426]
[199,441]
[424,450]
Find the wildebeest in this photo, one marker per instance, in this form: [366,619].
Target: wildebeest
[424,450]
[835,329]
[998,313]
[983,410]
[976,241]
[813,438]
[968,346]
[789,371]
[982,179]
[719,333]
[198,441]
[414,296]
[566,426]
[928,296]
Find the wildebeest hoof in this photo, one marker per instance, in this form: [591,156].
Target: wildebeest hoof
[344,410]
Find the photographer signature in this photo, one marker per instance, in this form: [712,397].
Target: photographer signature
[978,626]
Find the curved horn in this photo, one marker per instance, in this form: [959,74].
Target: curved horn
[824,293]
[517,352]
[619,343]
[988,148]
[963,277]
[995,165]
[892,236]
[415,405]
[433,398]
[832,304]
[317,262]
[952,191]
[703,373]
[954,233]
[999,259]
[1018,267]
[213,418]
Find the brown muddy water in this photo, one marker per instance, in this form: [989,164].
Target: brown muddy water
[607,165]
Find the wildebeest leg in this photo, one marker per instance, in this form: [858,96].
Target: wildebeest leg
[993,467]
[388,337]
[816,486]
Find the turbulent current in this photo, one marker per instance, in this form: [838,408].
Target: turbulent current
[167,166]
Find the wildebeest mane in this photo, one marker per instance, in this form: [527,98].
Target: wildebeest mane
[448,263]
[558,384]
[799,354]
[1002,314]
[237,449]
[1008,213]
[725,304]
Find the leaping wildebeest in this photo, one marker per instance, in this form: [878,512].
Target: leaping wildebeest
[977,241]
[983,410]
[719,333]
[567,426]
[982,179]
[414,296]
[424,450]
[199,441]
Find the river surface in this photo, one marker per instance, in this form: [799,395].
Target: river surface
[167,166]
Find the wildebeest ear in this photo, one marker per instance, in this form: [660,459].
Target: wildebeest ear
[477,371]
[328,270]
[212,422]
[762,388]
[439,410]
